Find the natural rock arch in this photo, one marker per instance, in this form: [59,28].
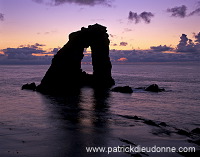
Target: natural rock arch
[65,72]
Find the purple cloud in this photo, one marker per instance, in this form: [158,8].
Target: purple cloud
[38,1]
[197,37]
[79,2]
[127,30]
[1,17]
[182,11]
[21,53]
[26,54]
[146,16]
[134,17]
[113,44]
[178,11]
[151,56]
[187,45]
[161,48]
[195,12]
[123,43]
[35,46]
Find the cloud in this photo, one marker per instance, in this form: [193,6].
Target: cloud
[187,45]
[197,37]
[21,53]
[134,17]
[35,46]
[55,50]
[79,2]
[181,11]
[25,54]
[123,43]
[112,35]
[186,50]
[161,48]
[145,16]
[127,30]
[2,17]
[122,59]
[114,44]
[197,11]
[38,1]
[151,56]
[178,11]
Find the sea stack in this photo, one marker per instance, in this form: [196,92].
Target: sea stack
[65,73]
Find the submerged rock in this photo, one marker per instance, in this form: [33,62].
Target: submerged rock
[183,132]
[163,124]
[122,89]
[150,122]
[154,88]
[31,86]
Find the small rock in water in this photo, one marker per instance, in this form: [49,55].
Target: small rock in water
[150,122]
[163,124]
[183,132]
[196,131]
[154,88]
[122,89]
[31,86]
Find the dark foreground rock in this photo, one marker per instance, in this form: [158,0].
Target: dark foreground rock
[154,88]
[65,73]
[31,86]
[196,131]
[122,89]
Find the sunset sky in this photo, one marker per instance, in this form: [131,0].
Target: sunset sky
[131,24]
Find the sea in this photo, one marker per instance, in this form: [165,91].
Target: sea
[33,124]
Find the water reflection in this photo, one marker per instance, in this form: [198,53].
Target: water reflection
[101,107]
[80,120]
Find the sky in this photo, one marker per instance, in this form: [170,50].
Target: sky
[139,30]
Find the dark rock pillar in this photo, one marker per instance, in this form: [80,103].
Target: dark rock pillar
[65,70]
[65,73]
[100,56]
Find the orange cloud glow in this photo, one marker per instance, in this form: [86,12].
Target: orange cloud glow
[35,54]
[122,59]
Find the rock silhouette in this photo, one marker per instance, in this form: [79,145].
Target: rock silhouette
[122,89]
[65,73]
[31,86]
[154,88]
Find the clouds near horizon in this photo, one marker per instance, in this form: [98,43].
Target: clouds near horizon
[25,54]
[197,37]
[161,48]
[187,45]
[186,50]
[123,43]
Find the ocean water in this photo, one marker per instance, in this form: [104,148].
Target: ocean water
[33,124]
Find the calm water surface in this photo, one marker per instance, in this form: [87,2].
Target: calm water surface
[57,125]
